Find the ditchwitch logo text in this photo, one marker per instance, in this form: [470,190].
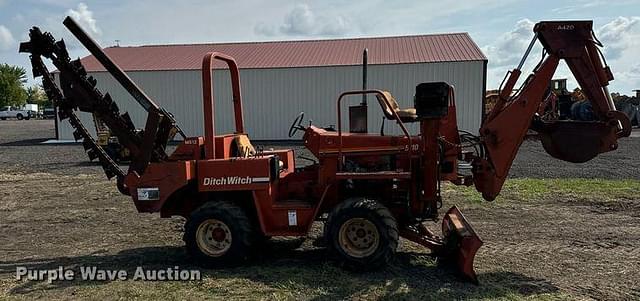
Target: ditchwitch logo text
[234,180]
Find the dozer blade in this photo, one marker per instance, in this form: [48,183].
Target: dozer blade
[461,243]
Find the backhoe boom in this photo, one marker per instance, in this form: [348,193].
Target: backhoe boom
[513,115]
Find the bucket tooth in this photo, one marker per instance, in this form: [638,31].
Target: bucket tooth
[108,169]
[109,173]
[107,98]
[460,243]
[92,81]
[62,114]
[62,48]
[127,119]
[86,143]
[114,108]
[37,72]
[92,154]
[77,135]
[77,64]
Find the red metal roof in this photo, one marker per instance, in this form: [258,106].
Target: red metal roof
[287,54]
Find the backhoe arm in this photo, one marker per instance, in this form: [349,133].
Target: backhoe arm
[506,125]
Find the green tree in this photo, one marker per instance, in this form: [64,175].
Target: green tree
[36,95]
[12,80]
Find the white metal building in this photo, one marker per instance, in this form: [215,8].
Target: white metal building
[281,79]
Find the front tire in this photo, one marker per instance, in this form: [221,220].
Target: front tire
[218,233]
[363,233]
[19,117]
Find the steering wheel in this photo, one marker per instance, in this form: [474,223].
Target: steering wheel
[296,125]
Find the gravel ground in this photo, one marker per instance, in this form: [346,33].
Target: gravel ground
[56,209]
[21,151]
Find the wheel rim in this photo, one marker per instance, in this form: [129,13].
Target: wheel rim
[213,237]
[359,237]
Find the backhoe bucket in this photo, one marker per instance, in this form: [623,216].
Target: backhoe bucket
[577,141]
[461,243]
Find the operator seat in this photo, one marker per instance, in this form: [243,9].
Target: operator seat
[406,115]
[244,148]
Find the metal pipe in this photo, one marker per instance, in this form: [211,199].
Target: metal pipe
[387,104]
[106,61]
[209,102]
[365,55]
[612,105]
[526,54]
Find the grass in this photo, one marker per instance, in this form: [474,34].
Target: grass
[322,281]
[306,275]
[526,189]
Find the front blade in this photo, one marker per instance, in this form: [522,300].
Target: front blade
[461,243]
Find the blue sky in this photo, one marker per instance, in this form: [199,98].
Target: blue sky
[502,28]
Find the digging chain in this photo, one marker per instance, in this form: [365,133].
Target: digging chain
[44,45]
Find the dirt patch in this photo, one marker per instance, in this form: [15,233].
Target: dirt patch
[20,151]
[537,248]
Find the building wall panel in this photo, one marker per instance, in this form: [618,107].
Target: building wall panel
[273,97]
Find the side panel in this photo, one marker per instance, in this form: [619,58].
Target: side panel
[159,182]
[282,218]
[234,174]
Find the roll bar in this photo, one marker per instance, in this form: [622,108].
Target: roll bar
[208,99]
[387,103]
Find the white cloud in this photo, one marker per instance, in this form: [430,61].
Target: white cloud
[510,46]
[618,35]
[84,17]
[6,38]
[578,6]
[265,29]
[620,38]
[302,21]
[335,26]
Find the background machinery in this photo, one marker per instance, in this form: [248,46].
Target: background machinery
[372,188]
[109,142]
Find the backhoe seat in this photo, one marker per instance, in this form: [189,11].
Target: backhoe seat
[406,115]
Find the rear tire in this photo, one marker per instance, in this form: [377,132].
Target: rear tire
[218,233]
[363,233]
[19,117]
[3,118]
